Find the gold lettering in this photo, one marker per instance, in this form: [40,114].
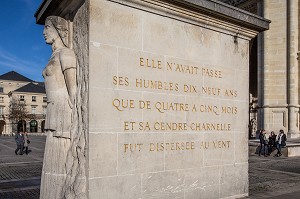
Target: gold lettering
[211,73]
[120,81]
[159,65]
[192,145]
[230,93]
[189,88]
[122,104]
[132,147]
[144,104]
[229,110]
[210,127]
[171,146]
[209,109]
[194,109]
[170,126]
[150,63]
[221,144]
[178,146]
[152,147]
[156,85]
[181,68]
[170,67]
[125,148]
[211,91]
[141,61]
[162,107]
[204,145]
[144,126]
[129,126]
[139,146]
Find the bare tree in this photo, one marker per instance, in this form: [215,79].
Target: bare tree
[18,112]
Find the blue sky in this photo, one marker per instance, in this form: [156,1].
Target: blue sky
[22,46]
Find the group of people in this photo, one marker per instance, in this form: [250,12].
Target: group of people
[273,141]
[22,142]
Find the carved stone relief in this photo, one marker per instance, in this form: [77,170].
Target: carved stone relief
[60,84]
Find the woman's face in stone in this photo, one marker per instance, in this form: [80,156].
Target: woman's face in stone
[50,33]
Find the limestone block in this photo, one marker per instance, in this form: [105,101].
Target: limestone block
[203,192]
[112,108]
[115,187]
[237,175]
[102,154]
[202,183]
[218,148]
[240,147]
[115,24]
[172,185]
[191,45]
[138,153]
[184,151]
[102,58]
[164,108]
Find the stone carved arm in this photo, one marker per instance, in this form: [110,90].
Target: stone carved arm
[69,64]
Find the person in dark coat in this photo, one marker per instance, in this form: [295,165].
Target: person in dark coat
[19,138]
[281,142]
[272,142]
[263,143]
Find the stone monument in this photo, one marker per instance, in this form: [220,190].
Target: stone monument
[154,98]
[60,85]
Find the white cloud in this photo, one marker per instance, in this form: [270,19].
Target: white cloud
[18,64]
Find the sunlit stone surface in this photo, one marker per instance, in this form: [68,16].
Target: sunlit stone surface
[167,89]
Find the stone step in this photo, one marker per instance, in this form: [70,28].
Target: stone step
[291,149]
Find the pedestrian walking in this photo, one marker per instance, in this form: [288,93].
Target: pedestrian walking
[280,142]
[19,138]
[26,142]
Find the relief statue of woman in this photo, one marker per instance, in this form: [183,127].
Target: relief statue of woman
[60,84]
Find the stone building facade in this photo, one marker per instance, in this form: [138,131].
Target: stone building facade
[15,86]
[274,73]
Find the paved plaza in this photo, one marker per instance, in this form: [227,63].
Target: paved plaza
[20,175]
[273,177]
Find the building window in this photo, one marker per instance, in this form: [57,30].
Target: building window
[1,99]
[1,110]
[33,110]
[33,126]
[22,98]
[1,89]
[44,99]
[33,98]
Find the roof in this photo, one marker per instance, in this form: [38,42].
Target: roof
[12,75]
[234,2]
[211,8]
[32,88]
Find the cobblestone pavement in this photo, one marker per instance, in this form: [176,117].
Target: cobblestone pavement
[20,175]
[274,177]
